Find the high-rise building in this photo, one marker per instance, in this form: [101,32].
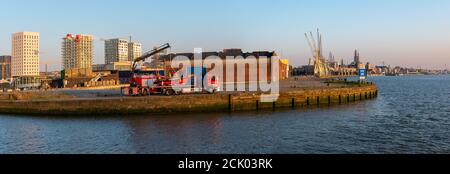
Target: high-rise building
[25,54]
[116,50]
[134,50]
[356,58]
[25,60]
[77,55]
[5,70]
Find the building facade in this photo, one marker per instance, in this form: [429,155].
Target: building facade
[115,66]
[356,59]
[120,50]
[77,52]
[284,69]
[231,73]
[25,60]
[25,54]
[134,50]
[77,55]
[116,50]
[5,70]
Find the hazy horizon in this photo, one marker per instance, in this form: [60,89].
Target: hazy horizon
[406,33]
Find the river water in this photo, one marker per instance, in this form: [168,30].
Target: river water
[411,115]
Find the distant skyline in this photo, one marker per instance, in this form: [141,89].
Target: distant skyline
[413,33]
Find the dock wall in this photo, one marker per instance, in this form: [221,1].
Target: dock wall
[186,103]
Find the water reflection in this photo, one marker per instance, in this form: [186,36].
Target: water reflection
[411,115]
[156,131]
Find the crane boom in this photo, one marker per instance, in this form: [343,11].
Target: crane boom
[310,44]
[150,53]
[314,42]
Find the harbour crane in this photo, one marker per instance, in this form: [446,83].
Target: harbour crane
[321,69]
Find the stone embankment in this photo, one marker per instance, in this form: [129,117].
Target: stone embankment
[294,97]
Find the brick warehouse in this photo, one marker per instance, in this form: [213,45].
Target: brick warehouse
[283,69]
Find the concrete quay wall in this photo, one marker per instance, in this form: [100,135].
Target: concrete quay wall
[221,102]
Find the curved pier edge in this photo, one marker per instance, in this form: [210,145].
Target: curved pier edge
[207,103]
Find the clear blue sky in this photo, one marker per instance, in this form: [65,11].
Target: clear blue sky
[402,32]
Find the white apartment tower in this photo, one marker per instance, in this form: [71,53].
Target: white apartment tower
[116,50]
[134,50]
[25,54]
[77,52]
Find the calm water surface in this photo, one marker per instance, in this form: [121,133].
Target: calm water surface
[411,115]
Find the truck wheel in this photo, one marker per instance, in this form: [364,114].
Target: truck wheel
[170,92]
[145,93]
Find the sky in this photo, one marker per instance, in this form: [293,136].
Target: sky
[412,33]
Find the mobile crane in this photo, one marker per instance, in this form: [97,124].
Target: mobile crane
[147,82]
[142,81]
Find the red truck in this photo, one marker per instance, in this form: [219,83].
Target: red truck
[149,82]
